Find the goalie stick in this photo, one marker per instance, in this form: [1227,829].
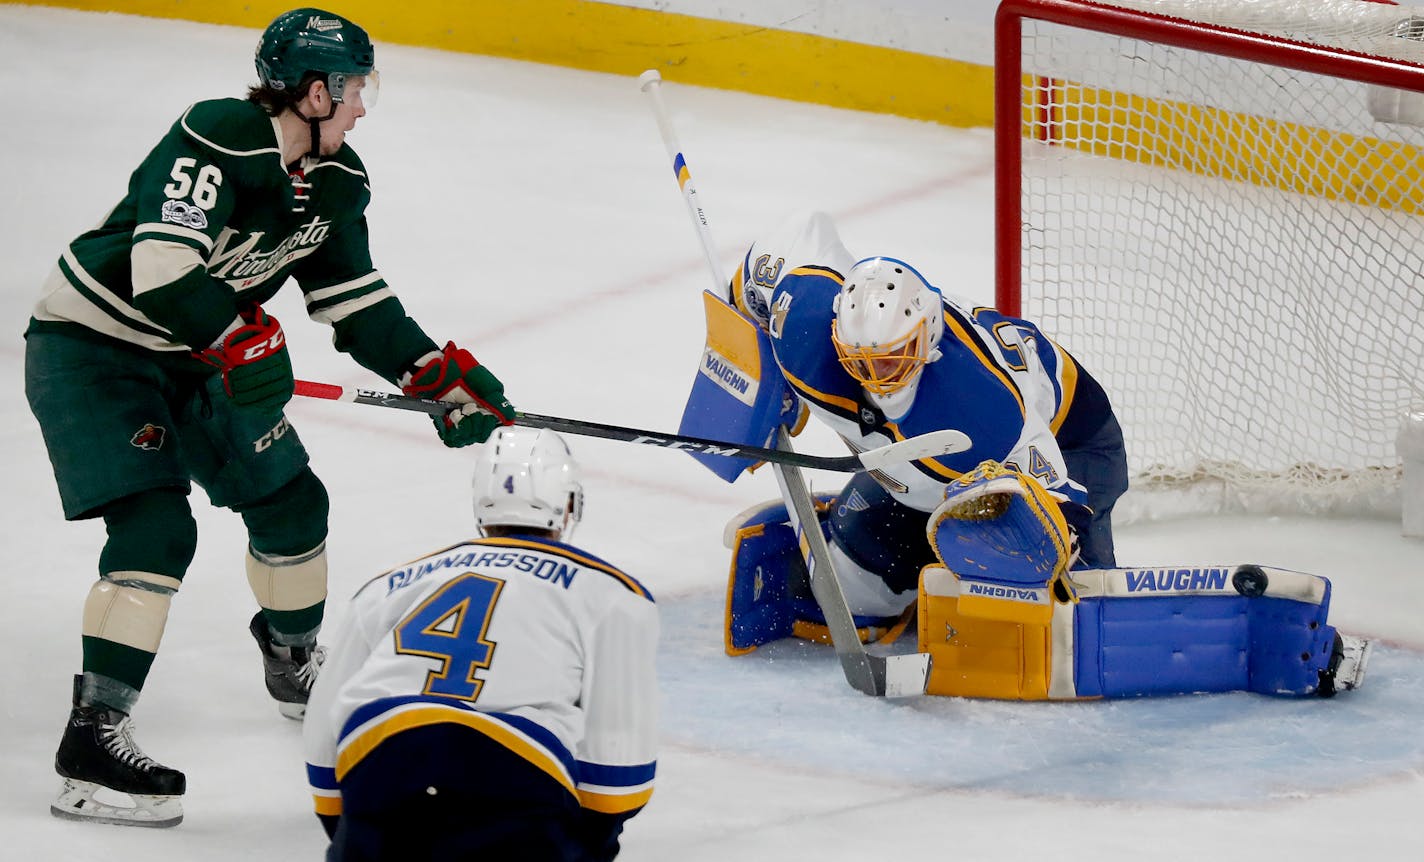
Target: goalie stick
[892,676]
[930,445]
[650,82]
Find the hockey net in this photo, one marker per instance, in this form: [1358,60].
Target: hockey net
[1218,207]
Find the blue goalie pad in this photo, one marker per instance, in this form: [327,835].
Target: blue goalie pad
[1181,631]
[768,590]
[759,605]
[739,394]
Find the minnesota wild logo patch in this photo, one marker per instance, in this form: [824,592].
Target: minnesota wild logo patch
[149,437]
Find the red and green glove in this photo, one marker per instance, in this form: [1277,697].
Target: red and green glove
[256,368]
[457,376]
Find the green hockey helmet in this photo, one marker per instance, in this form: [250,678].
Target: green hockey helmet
[307,40]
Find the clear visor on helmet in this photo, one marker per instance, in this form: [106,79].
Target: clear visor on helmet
[358,91]
[884,368]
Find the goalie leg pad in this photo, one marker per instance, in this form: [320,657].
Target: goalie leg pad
[1291,646]
[1177,630]
[759,604]
[768,581]
[977,657]
[1139,646]
[768,589]
[1005,538]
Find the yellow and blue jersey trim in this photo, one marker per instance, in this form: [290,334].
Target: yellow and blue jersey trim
[326,790]
[817,269]
[575,555]
[379,720]
[1066,381]
[615,789]
[598,787]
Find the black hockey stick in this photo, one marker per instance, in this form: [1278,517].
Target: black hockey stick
[929,445]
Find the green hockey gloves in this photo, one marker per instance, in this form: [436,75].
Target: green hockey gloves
[456,376]
[256,369]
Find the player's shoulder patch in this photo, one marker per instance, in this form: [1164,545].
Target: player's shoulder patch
[231,127]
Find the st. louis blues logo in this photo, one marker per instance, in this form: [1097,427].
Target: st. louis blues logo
[149,437]
[853,502]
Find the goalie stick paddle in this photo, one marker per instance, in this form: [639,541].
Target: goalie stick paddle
[915,448]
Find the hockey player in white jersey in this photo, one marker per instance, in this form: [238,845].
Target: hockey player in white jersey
[496,699]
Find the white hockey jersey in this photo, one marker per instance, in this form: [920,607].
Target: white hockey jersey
[542,647]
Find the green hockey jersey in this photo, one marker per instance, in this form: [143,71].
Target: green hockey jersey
[213,222]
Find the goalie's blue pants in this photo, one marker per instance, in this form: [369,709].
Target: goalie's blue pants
[880,534]
[1099,464]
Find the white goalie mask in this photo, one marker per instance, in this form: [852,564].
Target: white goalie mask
[805,238]
[887,327]
[526,477]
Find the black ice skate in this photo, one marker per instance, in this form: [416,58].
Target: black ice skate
[1347,665]
[98,753]
[290,671]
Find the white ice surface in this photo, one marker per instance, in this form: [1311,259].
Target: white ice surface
[528,213]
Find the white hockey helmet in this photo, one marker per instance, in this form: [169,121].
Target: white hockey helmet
[526,477]
[887,327]
[807,237]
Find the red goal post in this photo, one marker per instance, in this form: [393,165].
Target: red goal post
[1218,207]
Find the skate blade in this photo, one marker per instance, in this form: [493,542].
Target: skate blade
[76,802]
[1352,667]
[294,711]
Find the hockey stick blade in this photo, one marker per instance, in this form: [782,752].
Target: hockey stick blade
[915,448]
[931,445]
[906,675]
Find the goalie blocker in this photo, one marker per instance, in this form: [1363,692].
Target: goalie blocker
[1019,627]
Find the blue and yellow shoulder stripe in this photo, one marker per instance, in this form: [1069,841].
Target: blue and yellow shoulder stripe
[569,552]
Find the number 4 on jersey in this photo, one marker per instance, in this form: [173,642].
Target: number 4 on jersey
[450,627]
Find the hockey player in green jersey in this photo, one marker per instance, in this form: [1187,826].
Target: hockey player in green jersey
[154,319]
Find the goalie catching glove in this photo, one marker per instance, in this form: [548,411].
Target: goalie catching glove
[256,369]
[455,375]
[1004,536]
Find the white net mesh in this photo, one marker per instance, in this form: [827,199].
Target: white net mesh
[1234,249]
